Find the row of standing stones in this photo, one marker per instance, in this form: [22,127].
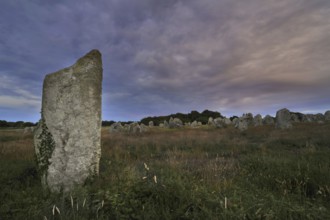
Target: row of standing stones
[284,119]
[67,139]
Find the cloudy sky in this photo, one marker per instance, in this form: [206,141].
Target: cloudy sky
[162,57]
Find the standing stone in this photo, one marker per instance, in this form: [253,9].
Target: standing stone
[194,124]
[245,121]
[268,120]
[175,123]
[143,128]
[248,117]
[227,121]
[327,115]
[236,122]
[283,119]
[134,128]
[116,127]
[211,122]
[68,138]
[166,125]
[257,120]
[308,118]
[218,122]
[297,116]
[151,123]
[242,124]
[126,128]
[294,117]
[319,117]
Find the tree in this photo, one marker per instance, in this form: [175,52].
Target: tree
[4,124]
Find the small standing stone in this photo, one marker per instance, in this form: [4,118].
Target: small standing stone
[116,127]
[327,115]
[283,119]
[257,120]
[268,120]
[175,123]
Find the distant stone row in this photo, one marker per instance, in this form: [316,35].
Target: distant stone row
[128,128]
[283,120]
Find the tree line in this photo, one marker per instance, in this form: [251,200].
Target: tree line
[17,124]
[22,124]
[185,118]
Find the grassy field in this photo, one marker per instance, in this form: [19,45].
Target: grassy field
[203,173]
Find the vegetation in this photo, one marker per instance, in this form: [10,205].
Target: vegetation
[22,124]
[107,123]
[203,173]
[17,124]
[46,146]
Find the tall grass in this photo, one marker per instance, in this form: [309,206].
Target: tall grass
[204,173]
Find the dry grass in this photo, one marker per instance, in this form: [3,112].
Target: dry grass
[204,173]
[15,145]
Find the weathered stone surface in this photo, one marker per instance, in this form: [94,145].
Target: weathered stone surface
[175,123]
[268,120]
[68,138]
[194,124]
[327,115]
[283,119]
[151,123]
[116,127]
[313,118]
[257,120]
[134,128]
[294,117]
[235,122]
[143,128]
[319,117]
[308,118]
[248,117]
[227,121]
[242,124]
[245,121]
[218,122]
[166,125]
[297,116]
[211,122]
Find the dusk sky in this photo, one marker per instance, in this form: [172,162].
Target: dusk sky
[168,56]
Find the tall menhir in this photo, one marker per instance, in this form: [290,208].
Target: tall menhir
[68,138]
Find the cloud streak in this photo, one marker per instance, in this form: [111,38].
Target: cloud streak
[178,55]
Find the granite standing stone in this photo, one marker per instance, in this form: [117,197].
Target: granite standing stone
[268,120]
[327,115]
[68,138]
[257,120]
[283,119]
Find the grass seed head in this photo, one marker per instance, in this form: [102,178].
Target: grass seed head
[146,166]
